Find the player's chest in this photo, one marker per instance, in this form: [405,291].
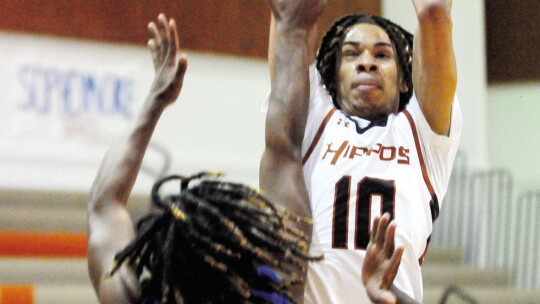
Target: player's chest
[345,145]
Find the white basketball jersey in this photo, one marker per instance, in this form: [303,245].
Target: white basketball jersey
[355,170]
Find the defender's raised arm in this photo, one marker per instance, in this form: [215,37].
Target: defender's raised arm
[119,169]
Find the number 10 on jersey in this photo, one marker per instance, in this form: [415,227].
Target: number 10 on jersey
[373,198]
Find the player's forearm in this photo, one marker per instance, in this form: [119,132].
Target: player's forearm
[289,99]
[434,64]
[122,162]
[311,46]
[433,46]
[433,37]
[281,177]
[281,165]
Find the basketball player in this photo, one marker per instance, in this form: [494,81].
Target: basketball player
[213,241]
[382,132]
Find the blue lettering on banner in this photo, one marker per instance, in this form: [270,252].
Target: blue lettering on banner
[74,93]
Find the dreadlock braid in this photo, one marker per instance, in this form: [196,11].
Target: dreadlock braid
[329,52]
[217,234]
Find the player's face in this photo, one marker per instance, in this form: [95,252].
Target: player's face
[368,75]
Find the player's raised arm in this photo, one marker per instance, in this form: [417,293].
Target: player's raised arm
[281,177]
[312,44]
[109,225]
[434,63]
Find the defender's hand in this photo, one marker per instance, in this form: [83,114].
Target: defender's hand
[381,262]
[170,70]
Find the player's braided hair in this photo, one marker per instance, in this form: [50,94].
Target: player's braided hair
[330,51]
[205,243]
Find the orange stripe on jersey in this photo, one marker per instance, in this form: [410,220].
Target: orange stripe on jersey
[419,151]
[40,244]
[318,135]
[16,294]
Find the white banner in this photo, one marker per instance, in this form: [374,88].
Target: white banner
[63,101]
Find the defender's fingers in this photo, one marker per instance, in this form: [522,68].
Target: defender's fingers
[182,67]
[173,42]
[158,40]
[151,45]
[374,229]
[392,270]
[390,238]
[154,52]
[175,33]
[154,33]
[381,230]
[163,27]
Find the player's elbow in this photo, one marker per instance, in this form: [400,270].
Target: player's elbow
[285,141]
[287,152]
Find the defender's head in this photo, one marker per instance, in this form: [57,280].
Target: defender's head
[207,242]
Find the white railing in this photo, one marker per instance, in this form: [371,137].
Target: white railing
[490,196]
[452,213]
[480,215]
[527,245]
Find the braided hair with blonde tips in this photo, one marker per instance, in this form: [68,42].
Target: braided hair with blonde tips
[205,244]
[330,52]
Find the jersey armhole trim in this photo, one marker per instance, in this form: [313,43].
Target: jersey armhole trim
[421,259]
[318,135]
[434,204]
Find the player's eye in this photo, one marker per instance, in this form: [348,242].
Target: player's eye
[383,55]
[349,53]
